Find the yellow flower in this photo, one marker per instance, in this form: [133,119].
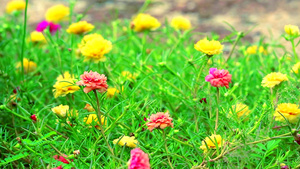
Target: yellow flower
[111,92]
[65,85]
[209,47]
[144,22]
[273,79]
[89,37]
[181,23]
[93,119]
[296,68]
[15,5]
[290,111]
[89,108]
[240,109]
[80,27]
[129,76]
[57,13]
[29,66]
[292,30]
[61,110]
[95,49]
[36,36]
[253,50]
[128,141]
[210,142]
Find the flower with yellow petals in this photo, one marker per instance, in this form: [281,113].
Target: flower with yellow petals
[181,23]
[65,85]
[95,49]
[212,142]
[111,92]
[273,79]
[80,27]
[15,5]
[240,109]
[296,68]
[292,30]
[36,37]
[89,37]
[92,119]
[144,22]
[126,140]
[57,13]
[209,47]
[61,110]
[253,50]
[290,111]
[29,66]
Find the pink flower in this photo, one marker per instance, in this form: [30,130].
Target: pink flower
[218,78]
[45,24]
[93,81]
[61,158]
[159,120]
[138,159]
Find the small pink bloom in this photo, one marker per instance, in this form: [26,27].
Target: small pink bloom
[61,158]
[218,78]
[138,159]
[33,117]
[93,81]
[159,120]
[45,24]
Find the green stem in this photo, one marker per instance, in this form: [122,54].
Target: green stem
[181,142]
[199,74]
[16,114]
[294,49]
[166,147]
[240,34]
[23,39]
[217,115]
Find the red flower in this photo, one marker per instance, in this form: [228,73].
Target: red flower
[93,81]
[33,117]
[218,78]
[61,158]
[159,120]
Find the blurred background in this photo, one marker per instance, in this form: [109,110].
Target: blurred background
[270,16]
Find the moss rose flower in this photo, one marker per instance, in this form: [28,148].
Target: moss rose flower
[273,79]
[209,47]
[93,81]
[138,159]
[159,120]
[290,111]
[212,142]
[218,78]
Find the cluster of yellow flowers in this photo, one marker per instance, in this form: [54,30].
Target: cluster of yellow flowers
[253,50]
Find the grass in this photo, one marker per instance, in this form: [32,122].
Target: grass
[170,77]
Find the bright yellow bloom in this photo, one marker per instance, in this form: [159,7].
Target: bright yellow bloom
[144,22]
[209,47]
[181,23]
[93,119]
[57,13]
[36,36]
[273,79]
[292,30]
[129,76]
[211,142]
[61,110]
[111,92]
[126,140]
[80,27]
[290,111]
[296,68]
[95,49]
[15,5]
[253,50]
[29,66]
[65,85]
[89,37]
[240,109]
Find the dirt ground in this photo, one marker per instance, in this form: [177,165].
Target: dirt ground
[270,16]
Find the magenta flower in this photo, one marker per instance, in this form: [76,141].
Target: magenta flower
[138,159]
[45,24]
[218,78]
[93,81]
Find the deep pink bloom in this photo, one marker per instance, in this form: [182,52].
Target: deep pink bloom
[159,120]
[61,158]
[45,24]
[203,100]
[93,81]
[218,78]
[59,167]
[138,159]
[33,117]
